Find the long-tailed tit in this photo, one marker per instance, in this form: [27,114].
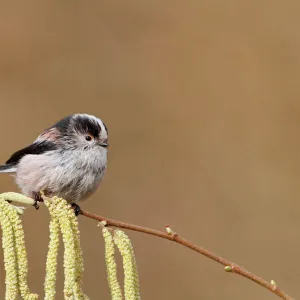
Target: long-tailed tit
[67,160]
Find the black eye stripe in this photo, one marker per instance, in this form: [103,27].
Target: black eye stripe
[80,123]
[84,125]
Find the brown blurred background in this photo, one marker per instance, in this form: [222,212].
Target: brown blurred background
[201,99]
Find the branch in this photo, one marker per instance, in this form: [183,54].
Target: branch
[172,236]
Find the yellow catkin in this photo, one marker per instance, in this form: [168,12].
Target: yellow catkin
[51,263]
[31,297]
[10,258]
[78,255]
[20,251]
[131,281]
[22,263]
[16,197]
[69,253]
[73,262]
[111,266]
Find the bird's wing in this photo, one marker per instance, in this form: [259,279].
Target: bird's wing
[38,147]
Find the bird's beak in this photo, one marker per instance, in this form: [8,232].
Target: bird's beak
[104,144]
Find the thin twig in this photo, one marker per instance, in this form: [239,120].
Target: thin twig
[172,236]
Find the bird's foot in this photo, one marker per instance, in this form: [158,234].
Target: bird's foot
[76,208]
[37,198]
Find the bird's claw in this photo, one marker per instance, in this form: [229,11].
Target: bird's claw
[76,208]
[37,198]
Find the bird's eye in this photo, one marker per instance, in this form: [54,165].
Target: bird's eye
[88,138]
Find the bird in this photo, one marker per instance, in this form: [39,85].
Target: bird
[67,160]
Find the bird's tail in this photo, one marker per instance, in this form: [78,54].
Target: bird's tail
[9,168]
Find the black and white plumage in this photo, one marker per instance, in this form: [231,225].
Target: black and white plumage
[67,160]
